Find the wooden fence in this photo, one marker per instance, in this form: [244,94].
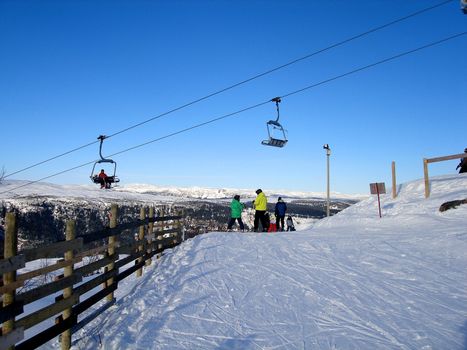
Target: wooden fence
[116,251]
[426,161]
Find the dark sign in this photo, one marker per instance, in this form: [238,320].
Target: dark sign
[377,188]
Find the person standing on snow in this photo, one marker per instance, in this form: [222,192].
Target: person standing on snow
[290,225]
[260,205]
[236,209]
[463,164]
[279,212]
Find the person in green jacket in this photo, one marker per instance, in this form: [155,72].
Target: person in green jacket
[236,209]
[261,205]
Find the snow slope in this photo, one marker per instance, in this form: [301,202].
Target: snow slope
[352,281]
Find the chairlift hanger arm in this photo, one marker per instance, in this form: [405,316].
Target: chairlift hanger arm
[277,100]
[102,138]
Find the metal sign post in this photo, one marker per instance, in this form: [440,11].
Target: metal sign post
[328,153]
[377,188]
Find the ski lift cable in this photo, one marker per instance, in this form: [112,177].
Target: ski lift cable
[251,107]
[141,145]
[50,159]
[345,41]
[376,64]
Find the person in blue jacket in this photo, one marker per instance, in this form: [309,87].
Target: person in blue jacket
[279,212]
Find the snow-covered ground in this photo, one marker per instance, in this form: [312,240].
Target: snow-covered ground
[352,281]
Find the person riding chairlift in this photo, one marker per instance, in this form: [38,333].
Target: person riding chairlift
[103,179]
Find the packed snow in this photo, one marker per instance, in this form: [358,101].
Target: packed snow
[352,281]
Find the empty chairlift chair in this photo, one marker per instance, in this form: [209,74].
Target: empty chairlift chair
[276,133]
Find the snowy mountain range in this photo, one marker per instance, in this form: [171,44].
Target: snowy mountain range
[228,193]
[11,189]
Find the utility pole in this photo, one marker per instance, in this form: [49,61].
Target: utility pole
[328,153]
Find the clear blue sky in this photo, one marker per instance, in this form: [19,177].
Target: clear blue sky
[72,70]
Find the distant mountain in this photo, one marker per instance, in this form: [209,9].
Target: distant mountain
[228,193]
[11,189]
[44,208]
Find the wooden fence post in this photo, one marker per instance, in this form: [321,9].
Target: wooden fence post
[10,250]
[112,247]
[67,292]
[394,183]
[142,216]
[160,229]
[179,227]
[150,235]
[183,224]
[427,180]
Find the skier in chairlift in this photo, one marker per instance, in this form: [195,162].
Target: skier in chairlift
[103,179]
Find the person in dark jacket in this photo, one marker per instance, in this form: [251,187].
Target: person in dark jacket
[463,164]
[236,209]
[279,212]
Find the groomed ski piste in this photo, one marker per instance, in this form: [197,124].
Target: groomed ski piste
[352,281]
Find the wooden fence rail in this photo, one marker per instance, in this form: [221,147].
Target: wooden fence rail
[426,161]
[115,252]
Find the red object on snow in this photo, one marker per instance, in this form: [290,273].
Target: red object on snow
[272,228]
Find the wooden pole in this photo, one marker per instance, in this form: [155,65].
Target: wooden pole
[112,249]
[10,250]
[142,216]
[150,234]
[427,180]
[182,213]
[160,229]
[394,183]
[179,228]
[68,292]
[440,159]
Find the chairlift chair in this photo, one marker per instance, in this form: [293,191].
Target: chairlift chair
[95,176]
[273,125]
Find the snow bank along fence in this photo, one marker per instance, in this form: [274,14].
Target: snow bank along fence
[426,161]
[117,250]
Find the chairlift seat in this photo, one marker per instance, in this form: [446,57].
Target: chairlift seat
[109,179]
[94,176]
[273,125]
[274,142]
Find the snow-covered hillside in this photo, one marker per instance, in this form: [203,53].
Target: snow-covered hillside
[353,281]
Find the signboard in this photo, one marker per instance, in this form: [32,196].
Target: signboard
[378,188]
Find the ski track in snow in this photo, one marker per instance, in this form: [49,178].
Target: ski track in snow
[353,281]
[240,295]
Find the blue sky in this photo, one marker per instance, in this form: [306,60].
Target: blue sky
[73,70]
